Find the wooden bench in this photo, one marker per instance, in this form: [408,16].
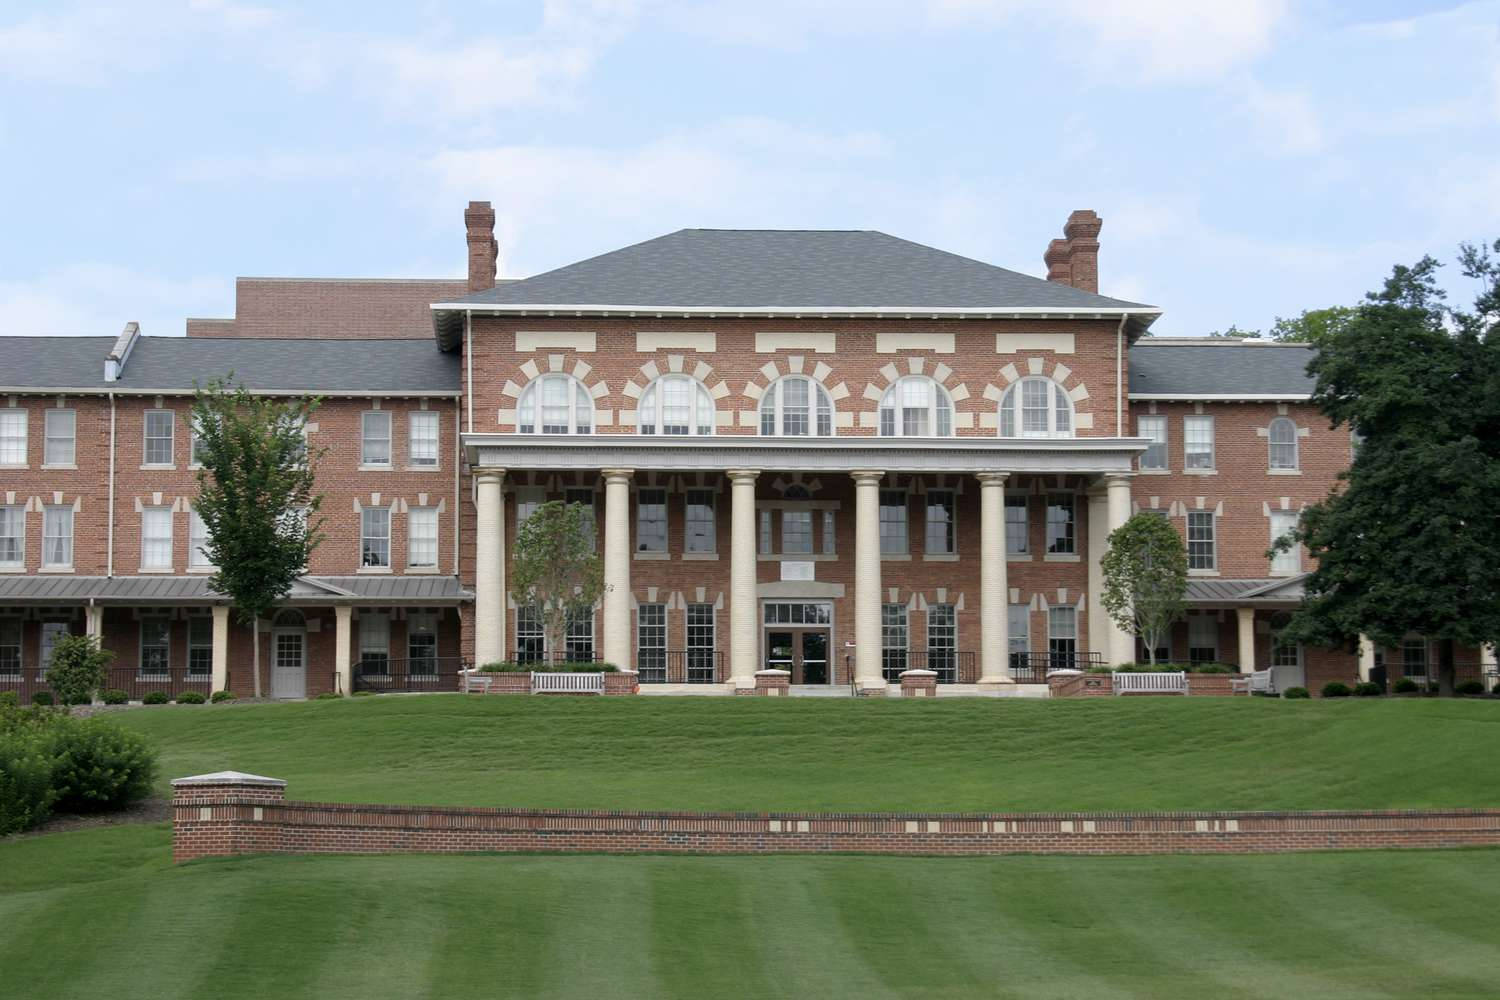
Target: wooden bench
[475,681]
[1165,682]
[1255,682]
[583,683]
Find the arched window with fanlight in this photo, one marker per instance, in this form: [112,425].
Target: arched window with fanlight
[796,406]
[555,404]
[1283,437]
[1036,408]
[674,405]
[916,406]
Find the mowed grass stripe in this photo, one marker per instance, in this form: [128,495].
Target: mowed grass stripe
[848,755]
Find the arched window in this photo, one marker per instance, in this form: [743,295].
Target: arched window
[289,618]
[1283,435]
[1036,408]
[916,406]
[796,406]
[555,404]
[675,404]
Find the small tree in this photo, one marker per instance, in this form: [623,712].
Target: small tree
[1145,578]
[255,495]
[78,669]
[555,569]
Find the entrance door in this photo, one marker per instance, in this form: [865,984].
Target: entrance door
[289,661]
[815,657]
[803,652]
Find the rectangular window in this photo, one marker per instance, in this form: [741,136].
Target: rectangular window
[51,633]
[941,538]
[765,532]
[531,639]
[12,436]
[578,634]
[422,425]
[422,541]
[61,432]
[1153,427]
[12,535]
[796,532]
[942,642]
[1200,539]
[1062,637]
[200,645]
[1284,522]
[893,522]
[375,536]
[699,531]
[198,542]
[701,643]
[421,644]
[894,636]
[156,538]
[195,444]
[1198,442]
[584,497]
[1203,639]
[528,499]
[1017,529]
[830,533]
[1414,658]
[156,646]
[374,643]
[159,427]
[57,536]
[651,521]
[1061,525]
[10,646]
[651,643]
[375,438]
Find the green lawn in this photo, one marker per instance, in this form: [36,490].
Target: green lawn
[102,913]
[843,754]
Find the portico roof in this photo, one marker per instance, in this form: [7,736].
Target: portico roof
[375,589]
[1265,592]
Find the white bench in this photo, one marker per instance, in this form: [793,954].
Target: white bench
[1256,682]
[583,683]
[1166,682]
[471,681]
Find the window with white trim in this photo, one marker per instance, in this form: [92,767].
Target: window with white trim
[200,645]
[675,405]
[763,547]
[12,535]
[1414,657]
[699,530]
[796,406]
[159,428]
[1201,547]
[702,643]
[375,437]
[1282,436]
[156,538]
[421,644]
[555,404]
[1153,427]
[578,635]
[52,632]
[10,646]
[651,643]
[941,525]
[422,537]
[1285,654]
[1203,638]
[796,532]
[1017,525]
[57,536]
[156,646]
[531,638]
[916,406]
[12,436]
[583,496]
[1062,636]
[894,641]
[1198,442]
[528,499]
[60,433]
[830,532]
[422,439]
[1036,408]
[893,522]
[195,443]
[1283,523]
[651,520]
[942,642]
[375,536]
[198,541]
[374,642]
[1062,524]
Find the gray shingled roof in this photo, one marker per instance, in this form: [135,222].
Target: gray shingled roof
[173,364]
[1160,367]
[195,590]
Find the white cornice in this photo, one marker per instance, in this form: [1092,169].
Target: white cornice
[798,312]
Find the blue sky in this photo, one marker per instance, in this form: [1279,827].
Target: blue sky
[1249,159]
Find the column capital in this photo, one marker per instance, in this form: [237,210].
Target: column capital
[488,473]
[1115,479]
[742,475]
[617,475]
[866,477]
[992,478]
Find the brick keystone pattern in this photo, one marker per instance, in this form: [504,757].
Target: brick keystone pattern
[223,815]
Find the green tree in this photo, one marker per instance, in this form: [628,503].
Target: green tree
[1145,578]
[1307,328]
[78,669]
[1408,540]
[256,498]
[555,568]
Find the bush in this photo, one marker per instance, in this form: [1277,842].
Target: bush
[155,698]
[26,767]
[328,696]
[99,765]
[1470,687]
[1167,667]
[191,698]
[1368,689]
[77,669]
[1295,692]
[364,694]
[1496,688]
[1405,686]
[10,699]
[219,696]
[114,696]
[41,697]
[511,667]
[1337,689]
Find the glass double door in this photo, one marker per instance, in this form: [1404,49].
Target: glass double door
[803,652]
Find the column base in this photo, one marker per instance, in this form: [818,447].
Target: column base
[996,685]
[872,689]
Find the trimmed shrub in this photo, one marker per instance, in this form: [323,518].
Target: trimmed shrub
[511,667]
[328,696]
[1336,689]
[1368,689]
[1470,687]
[155,698]
[10,699]
[191,698]
[41,698]
[77,669]
[99,765]
[1405,686]
[220,696]
[26,768]
[114,696]
[1166,667]
[1294,693]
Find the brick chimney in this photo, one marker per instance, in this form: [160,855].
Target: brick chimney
[1074,259]
[484,252]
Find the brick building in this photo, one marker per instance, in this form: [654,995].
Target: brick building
[840,454]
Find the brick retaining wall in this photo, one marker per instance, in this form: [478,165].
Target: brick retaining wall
[1100,685]
[228,814]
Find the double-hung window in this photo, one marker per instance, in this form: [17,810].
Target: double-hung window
[894,636]
[60,447]
[701,643]
[830,532]
[12,536]
[1017,529]
[675,404]
[422,540]
[12,436]
[10,646]
[1203,638]
[1200,540]
[651,520]
[916,406]
[796,532]
[1061,525]
[1283,440]
[375,437]
[375,537]
[941,523]
[1414,658]
[156,538]
[942,642]
[421,644]
[1198,442]
[198,542]
[796,406]
[579,636]
[158,446]
[651,643]
[893,522]
[156,646]
[1153,427]
[57,536]
[1062,636]
[422,446]
[531,637]
[1289,560]
[374,642]
[555,404]
[200,645]
[699,526]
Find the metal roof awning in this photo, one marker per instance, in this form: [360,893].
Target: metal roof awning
[1277,592]
[168,591]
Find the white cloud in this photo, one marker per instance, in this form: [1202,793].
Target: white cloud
[97,300]
[1285,120]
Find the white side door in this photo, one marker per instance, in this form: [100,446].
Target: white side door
[289,662]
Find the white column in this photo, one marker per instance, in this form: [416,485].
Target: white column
[867,579]
[220,660]
[994,590]
[489,568]
[1117,488]
[1099,621]
[617,645]
[1246,623]
[342,615]
[1487,664]
[93,622]
[744,619]
[1366,657]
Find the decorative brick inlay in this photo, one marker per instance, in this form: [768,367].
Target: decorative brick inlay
[227,817]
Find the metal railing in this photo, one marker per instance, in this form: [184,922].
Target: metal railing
[680,666]
[427,673]
[135,683]
[1032,668]
[952,666]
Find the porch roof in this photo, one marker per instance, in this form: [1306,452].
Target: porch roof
[1266,592]
[172,590]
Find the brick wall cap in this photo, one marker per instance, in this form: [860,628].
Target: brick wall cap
[229,778]
[919,673]
[1064,672]
[772,672]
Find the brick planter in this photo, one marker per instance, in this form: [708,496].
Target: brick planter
[507,683]
[1070,684]
[773,682]
[919,683]
[624,682]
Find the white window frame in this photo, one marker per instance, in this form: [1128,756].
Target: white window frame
[1200,627]
[574,633]
[651,642]
[170,437]
[947,530]
[156,538]
[14,437]
[700,642]
[1272,444]
[705,540]
[64,514]
[531,406]
[13,540]
[936,647]
[1021,502]
[197,541]
[888,539]
[1058,419]
[1066,541]
[1212,540]
[424,431]
[1192,427]
[419,662]
[817,414]
[830,532]
[1288,562]
[1153,426]
[382,514]
[939,407]
[640,521]
[59,451]
[166,646]
[197,644]
[651,409]
[422,518]
[367,438]
[895,638]
[374,641]
[1060,641]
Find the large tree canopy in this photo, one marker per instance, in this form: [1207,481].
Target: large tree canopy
[1410,539]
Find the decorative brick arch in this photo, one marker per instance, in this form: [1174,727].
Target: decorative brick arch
[676,364]
[917,365]
[787,480]
[794,364]
[1035,367]
[529,371]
